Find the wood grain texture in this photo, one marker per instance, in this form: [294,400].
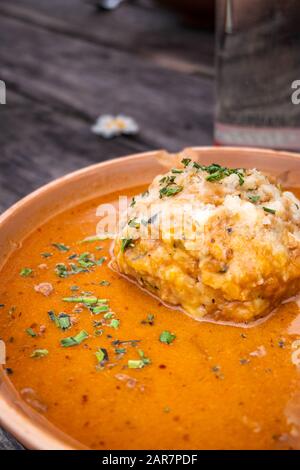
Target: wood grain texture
[64,64]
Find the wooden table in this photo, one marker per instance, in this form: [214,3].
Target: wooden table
[64,64]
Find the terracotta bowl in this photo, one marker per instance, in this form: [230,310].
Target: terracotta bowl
[24,423]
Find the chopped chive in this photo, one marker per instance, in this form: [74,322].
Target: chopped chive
[74,340]
[39,353]
[135,364]
[31,332]
[25,272]
[167,337]
[133,202]
[104,283]
[81,300]
[100,309]
[101,260]
[101,355]
[186,161]
[145,359]
[120,350]
[95,238]
[270,211]
[60,246]
[46,255]
[126,243]
[176,171]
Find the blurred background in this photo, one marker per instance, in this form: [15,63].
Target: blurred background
[65,62]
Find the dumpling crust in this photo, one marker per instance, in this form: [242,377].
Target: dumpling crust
[218,242]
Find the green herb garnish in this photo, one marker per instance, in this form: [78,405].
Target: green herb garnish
[74,340]
[104,283]
[186,161]
[46,255]
[135,364]
[99,309]
[92,239]
[60,246]
[26,272]
[126,243]
[254,199]
[114,323]
[169,191]
[31,332]
[167,337]
[270,211]
[82,300]
[64,321]
[101,355]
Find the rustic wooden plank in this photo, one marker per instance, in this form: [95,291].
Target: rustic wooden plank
[85,80]
[8,442]
[50,144]
[138,27]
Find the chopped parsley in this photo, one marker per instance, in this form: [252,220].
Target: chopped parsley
[114,323]
[74,340]
[62,320]
[254,199]
[169,191]
[270,211]
[216,172]
[167,337]
[26,272]
[46,255]
[39,353]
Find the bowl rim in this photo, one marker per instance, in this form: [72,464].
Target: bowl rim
[32,434]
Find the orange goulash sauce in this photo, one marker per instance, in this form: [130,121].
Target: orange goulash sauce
[214,387]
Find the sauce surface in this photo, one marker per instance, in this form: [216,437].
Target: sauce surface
[212,387]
